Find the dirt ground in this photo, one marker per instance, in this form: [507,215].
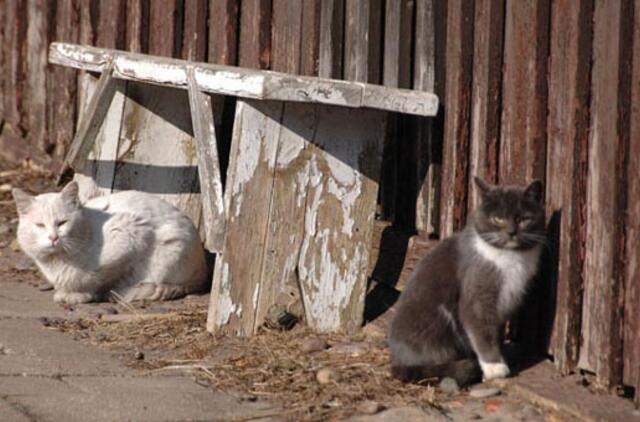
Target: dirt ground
[307,377]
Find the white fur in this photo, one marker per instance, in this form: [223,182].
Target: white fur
[493,370]
[130,244]
[516,268]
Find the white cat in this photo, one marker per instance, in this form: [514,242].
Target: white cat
[128,243]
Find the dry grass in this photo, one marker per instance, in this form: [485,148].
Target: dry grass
[268,366]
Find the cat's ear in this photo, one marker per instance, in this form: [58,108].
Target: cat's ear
[70,194]
[482,185]
[534,191]
[23,200]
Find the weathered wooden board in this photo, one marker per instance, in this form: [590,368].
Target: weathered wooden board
[255,34]
[457,102]
[165,23]
[428,75]
[111,32]
[485,103]
[567,145]
[2,54]
[331,33]
[223,32]
[194,39]
[236,280]
[310,44]
[602,334]
[524,92]
[335,250]
[63,82]
[246,83]
[362,40]
[208,167]
[631,374]
[137,28]
[286,31]
[289,172]
[36,77]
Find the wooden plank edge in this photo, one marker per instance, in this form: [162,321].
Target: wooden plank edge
[245,83]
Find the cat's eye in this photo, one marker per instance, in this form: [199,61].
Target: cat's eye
[524,222]
[61,223]
[40,225]
[498,221]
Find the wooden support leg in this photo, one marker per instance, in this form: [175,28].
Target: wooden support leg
[300,201]
[94,116]
[208,166]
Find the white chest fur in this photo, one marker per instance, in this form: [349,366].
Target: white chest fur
[515,267]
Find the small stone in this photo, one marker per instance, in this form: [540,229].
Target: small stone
[370,407]
[482,393]
[14,245]
[449,385]
[6,187]
[325,376]
[351,349]
[313,344]
[635,413]
[138,355]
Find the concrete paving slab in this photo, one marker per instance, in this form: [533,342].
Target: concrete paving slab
[20,300]
[124,399]
[10,414]
[32,349]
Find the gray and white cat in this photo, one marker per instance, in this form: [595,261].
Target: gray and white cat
[449,317]
[128,243]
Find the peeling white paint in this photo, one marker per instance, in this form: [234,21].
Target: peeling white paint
[150,71]
[254,298]
[231,82]
[226,307]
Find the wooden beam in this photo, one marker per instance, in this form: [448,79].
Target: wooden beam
[245,83]
[92,120]
[208,166]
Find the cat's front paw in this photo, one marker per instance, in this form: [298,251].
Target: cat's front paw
[72,298]
[494,370]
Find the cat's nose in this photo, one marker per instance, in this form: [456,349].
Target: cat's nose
[53,238]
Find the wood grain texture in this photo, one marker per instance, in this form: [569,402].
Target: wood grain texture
[2,54]
[524,92]
[567,146]
[255,34]
[223,32]
[14,69]
[631,374]
[330,58]
[111,32]
[165,28]
[36,78]
[362,34]
[236,285]
[485,103]
[310,44]
[194,39]
[457,104]
[208,167]
[63,82]
[245,83]
[137,29]
[286,36]
[601,349]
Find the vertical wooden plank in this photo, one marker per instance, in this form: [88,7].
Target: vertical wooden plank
[331,44]
[194,40]
[63,81]
[14,71]
[398,183]
[335,250]
[601,349]
[459,54]
[111,19]
[137,29]
[309,49]
[2,48]
[485,103]
[223,32]
[255,34]
[631,375]
[236,285]
[208,166]
[524,97]
[286,31]
[165,28]
[362,36]
[428,75]
[36,83]
[568,129]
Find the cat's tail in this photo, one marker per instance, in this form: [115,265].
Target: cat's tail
[465,372]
